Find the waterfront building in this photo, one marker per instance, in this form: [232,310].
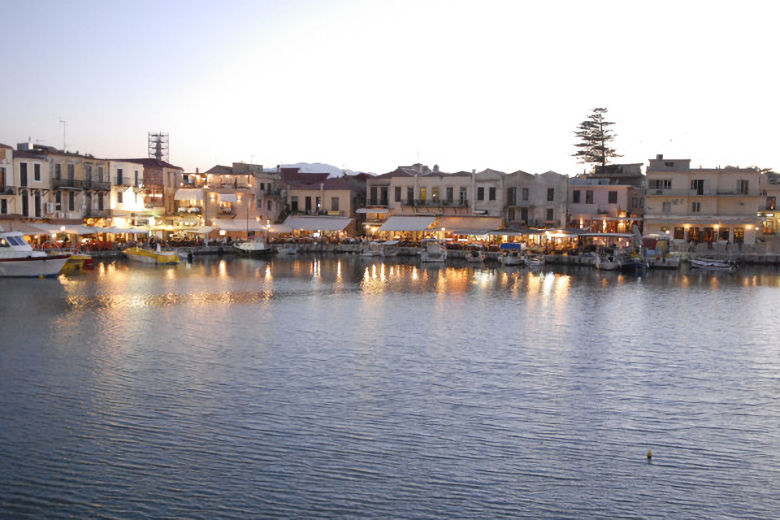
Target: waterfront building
[769,185]
[598,205]
[536,200]
[489,193]
[712,206]
[159,181]
[7,185]
[126,200]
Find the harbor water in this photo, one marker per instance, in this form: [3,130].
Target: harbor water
[347,387]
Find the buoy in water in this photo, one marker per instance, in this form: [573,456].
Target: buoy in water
[649,454]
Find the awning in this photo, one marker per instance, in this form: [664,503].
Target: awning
[25,227]
[318,223]
[608,235]
[470,225]
[238,224]
[373,210]
[188,194]
[407,223]
[227,197]
[200,230]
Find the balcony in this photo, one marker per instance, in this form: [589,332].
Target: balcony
[379,202]
[76,184]
[97,185]
[436,203]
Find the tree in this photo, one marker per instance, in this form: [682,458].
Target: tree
[595,137]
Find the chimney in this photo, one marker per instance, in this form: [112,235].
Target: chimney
[659,156]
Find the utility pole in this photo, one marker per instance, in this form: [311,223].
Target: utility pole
[64,142]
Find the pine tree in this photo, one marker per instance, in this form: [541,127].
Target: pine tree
[595,137]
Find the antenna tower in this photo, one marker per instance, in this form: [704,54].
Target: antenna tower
[158,146]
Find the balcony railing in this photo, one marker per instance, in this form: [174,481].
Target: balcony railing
[67,183]
[436,203]
[96,213]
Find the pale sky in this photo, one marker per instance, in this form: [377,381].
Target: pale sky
[369,85]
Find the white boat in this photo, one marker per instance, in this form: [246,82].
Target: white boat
[475,256]
[389,248]
[514,257]
[18,259]
[433,250]
[712,264]
[669,261]
[287,249]
[148,256]
[255,247]
[607,262]
[534,261]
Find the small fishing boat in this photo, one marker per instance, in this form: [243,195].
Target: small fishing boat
[534,261]
[712,264]
[18,259]
[254,247]
[433,250]
[607,262]
[148,256]
[287,249]
[509,258]
[475,256]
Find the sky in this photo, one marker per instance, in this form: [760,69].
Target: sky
[372,84]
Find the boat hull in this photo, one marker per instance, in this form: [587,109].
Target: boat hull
[253,249]
[712,265]
[32,267]
[151,257]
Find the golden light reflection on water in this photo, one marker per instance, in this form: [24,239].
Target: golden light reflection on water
[222,269]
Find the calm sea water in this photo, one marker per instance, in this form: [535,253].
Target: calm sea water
[350,388]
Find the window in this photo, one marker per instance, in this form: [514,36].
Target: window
[463,196]
[58,201]
[3,206]
[88,172]
[723,233]
[101,201]
[510,197]
[434,194]
[588,196]
[743,187]
[550,214]
[409,195]
[269,205]
[695,207]
[575,196]
[491,194]
[679,233]
[23,174]
[666,207]
[373,199]
[294,203]
[398,194]
[423,194]
[697,185]
[659,184]
[383,195]
[100,174]
[550,194]
[307,204]
[119,179]
[771,203]
[318,203]
[25,205]
[635,202]
[71,172]
[119,197]
[58,171]
[525,194]
[450,194]
[612,197]
[480,193]
[71,201]
[37,172]
[669,164]
[334,203]
[136,178]
[2,179]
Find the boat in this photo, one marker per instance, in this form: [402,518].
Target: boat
[389,248]
[254,247]
[78,263]
[19,259]
[287,249]
[607,262]
[433,250]
[712,264]
[534,261]
[148,256]
[657,251]
[633,264]
[475,255]
[509,258]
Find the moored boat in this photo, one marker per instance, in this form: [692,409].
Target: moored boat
[254,247]
[147,256]
[18,259]
[509,258]
[475,256]
[534,261]
[433,250]
[712,264]
[607,262]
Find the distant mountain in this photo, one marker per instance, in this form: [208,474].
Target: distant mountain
[332,171]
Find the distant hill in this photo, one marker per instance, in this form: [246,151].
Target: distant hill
[332,171]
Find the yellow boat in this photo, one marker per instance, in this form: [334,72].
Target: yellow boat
[148,256]
[77,263]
